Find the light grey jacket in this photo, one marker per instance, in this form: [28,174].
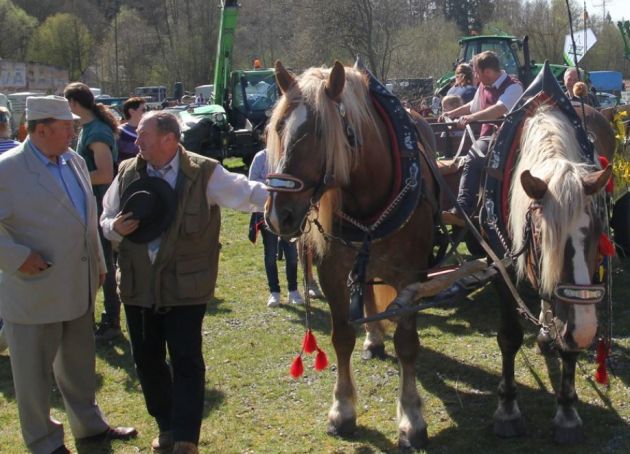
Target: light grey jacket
[37,215]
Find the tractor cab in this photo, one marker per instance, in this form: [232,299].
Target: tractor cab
[251,95]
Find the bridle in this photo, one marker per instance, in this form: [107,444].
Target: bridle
[284,182]
[565,293]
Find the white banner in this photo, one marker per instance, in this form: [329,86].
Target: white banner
[584,40]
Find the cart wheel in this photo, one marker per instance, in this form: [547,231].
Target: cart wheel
[621,225]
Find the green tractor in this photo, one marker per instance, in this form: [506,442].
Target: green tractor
[508,49]
[234,124]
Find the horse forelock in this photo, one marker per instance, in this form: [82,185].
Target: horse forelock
[550,151]
[340,156]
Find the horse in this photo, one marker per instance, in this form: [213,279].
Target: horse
[555,221]
[330,145]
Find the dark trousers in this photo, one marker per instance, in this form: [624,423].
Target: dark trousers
[174,396]
[112,302]
[471,175]
[271,243]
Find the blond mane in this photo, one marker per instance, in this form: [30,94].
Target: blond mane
[550,151]
[340,156]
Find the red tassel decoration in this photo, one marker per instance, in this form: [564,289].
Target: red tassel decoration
[601,374]
[321,360]
[297,368]
[606,247]
[309,345]
[610,185]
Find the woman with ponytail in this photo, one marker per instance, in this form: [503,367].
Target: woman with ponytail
[97,145]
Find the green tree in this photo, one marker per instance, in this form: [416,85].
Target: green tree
[469,15]
[62,40]
[17,27]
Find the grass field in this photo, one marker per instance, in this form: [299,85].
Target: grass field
[252,404]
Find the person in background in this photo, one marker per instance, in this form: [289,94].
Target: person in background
[133,110]
[97,145]
[271,244]
[451,102]
[51,266]
[463,85]
[6,143]
[496,95]
[168,277]
[570,79]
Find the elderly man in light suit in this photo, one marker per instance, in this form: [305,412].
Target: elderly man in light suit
[51,265]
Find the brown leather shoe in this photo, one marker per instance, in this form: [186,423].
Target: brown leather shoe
[163,443]
[185,447]
[450,218]
[112,433]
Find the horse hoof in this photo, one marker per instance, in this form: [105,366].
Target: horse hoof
[375,352]
[418,439]
[509,428]
[344,429]
[568,435]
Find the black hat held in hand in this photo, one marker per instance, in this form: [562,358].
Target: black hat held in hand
[153,202]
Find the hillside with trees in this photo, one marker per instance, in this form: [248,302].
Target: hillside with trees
[121,44]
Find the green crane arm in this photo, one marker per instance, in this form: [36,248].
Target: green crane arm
[223,63]
[624,28]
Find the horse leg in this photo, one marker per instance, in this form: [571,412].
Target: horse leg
[374,344]
[508,421]
[342,416]
[412,429]
[567,422]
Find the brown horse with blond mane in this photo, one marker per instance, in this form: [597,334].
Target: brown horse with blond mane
[327,138]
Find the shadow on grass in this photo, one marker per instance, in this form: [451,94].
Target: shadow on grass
[371,440]
[319,314]
[472,410]
[214,399]
[216,306]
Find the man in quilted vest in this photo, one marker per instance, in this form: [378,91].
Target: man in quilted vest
[496,95]
[166,278]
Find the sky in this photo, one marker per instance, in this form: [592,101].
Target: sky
[618,9]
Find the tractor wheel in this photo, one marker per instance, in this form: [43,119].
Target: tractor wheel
[621,225]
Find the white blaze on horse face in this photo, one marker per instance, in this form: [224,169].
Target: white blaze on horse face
[296,119]
[585,316]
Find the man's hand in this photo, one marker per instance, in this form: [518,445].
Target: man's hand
[465,119]
[124,225]
[34,264]
[101,279]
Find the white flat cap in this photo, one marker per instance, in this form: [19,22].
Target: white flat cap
[42,107]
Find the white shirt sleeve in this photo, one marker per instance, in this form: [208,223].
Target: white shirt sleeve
[111,207]
[475,104]
[233,190]
[510,96]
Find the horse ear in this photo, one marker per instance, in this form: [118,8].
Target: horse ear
[534,187]
[336,81]
[284,78]
[595,181]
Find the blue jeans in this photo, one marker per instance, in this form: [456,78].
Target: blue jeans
[270,245]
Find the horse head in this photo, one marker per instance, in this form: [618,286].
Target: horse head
[556,211]
[312,138]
